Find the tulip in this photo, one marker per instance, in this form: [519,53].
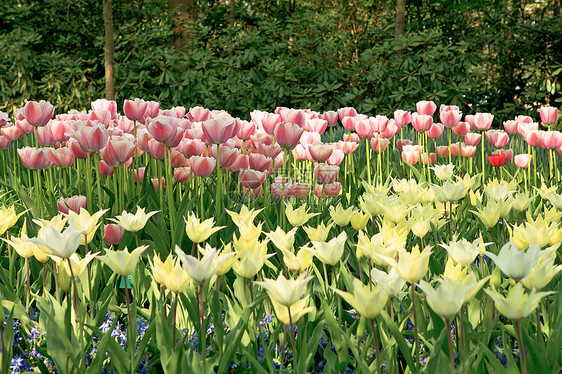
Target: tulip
[368,301]
[511,127]
[198,231]
[450,118]
[422,122]
[319,233]
[38,113]
[251,178]
[497,138]
[250,258]
[203,166]
[447,299]
[472,139]
[299,216]
[218,131]
[336,158]
[33,158]
[341,216]
[121,261]
[359,220]
[552,139]
[410,154]
[202,270]
[92,138]
[113,233]
[75,203]
[320,152]
[316,125]
[378,144]
[163,129]
[523,161]
[331,189]
[390,282]
[326,173]
[12,133]
[170,274]
[549,115]
[463,251]
[443,172]
[426,107]
[62,157]
[518,304]
[61,244]
[489,215]
[331,116]
[346,112]
[282,240]
[287,135]
[435,131]
[411,266]
[514,263]
[257,162]
[133,222]
[330,252]
[461,129]
[198,114]
[483,121]
[245,217]
[285,292]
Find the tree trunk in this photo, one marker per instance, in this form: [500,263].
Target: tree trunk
[400,19]
[186,11]
[109,49]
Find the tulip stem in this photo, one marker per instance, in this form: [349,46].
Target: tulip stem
[416,341]
[44,279]
[28,284]
[521,348]
[202,337]
[88,171]
[169,196]
[98,181]
[130,331]
[376,343]
[368,161]
[293,342]
[483,159]
[450,341]
[56,280]
[174,318]
[539,328]
[75,289]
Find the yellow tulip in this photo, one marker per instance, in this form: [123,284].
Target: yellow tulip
[514,263]
[245,217]
[341,216]
[499,192]
[122,262]
[551,215]
[285,291]
[544,191]
[396,210]
[518,304]
[8,218]
[367,300]
[522,201]
[79,265]
[454,270]
[198,231]
[468,181]
[543,272]
[449,192]
[443,172]
[281,239]
[411,266]
[299,216]
[472,285]
[394,233]
[202,270]
[61,244]
[57,222]
[298,262]
[475,199]
[374,246]
[330,252]
[250,259]
[160,270]
[390,282]
[248,234]
[133,222]
[534,232]
[489,215]
[297,311]
[402,185]
[555,236]
[445,300]
[22,245]
[318,233]
[85,221]
[226,265]
[373,203]
[359,220]
[463,251]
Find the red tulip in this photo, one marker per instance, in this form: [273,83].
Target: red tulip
[507,152]
[38,113]
[113,233]
[497,159]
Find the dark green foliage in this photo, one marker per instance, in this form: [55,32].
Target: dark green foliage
[493,56]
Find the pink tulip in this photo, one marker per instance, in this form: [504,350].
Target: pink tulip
[315,125]
[442,151]
[12,132]
[60,130]
[450,118]
[247,129]
[241,162]
[24,126]
[135,109]
[448,108]
[113,233]
[33,158]
[552,139]
[455,149]
[472,138]
[483,121]
[178,112]
[156,149]
[402,118]
[326,173]
[308,138]
[103,104]
[105,168]
[176,159]
[251,178]
[351,138]
[203,166]
[45,137]
[5,118]
[410,154]
[277,190]
[524,119]
[152,110]
[523,128]
[76,149]
[300,152]
[92,138]
[498,138]
[218,131]
[378,123]
[227,155]
[189,147]
[549,115]
[422,122]
[470,119]
[38,113]
[336,158]
[347,147]
[270,121]
[157,185]
[425,108]
[198,114]
[403,142]
[288,135]
[259,162]
[534,137]
[253,193]
[436,131]
[346,112]
[461,129]
[511,127]
[379,144]
[468,151]
[102,116]
[424,158]
[4,142]
[162,129]
[62,157]
[332,189]
[391,130]
[331,116]
[294,116]
[320,152]
[301,190]
[523,161]
[270,151]
[182,174]
[138,174]
[74,203]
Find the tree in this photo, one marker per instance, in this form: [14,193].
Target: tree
[109,49]
[400,19]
